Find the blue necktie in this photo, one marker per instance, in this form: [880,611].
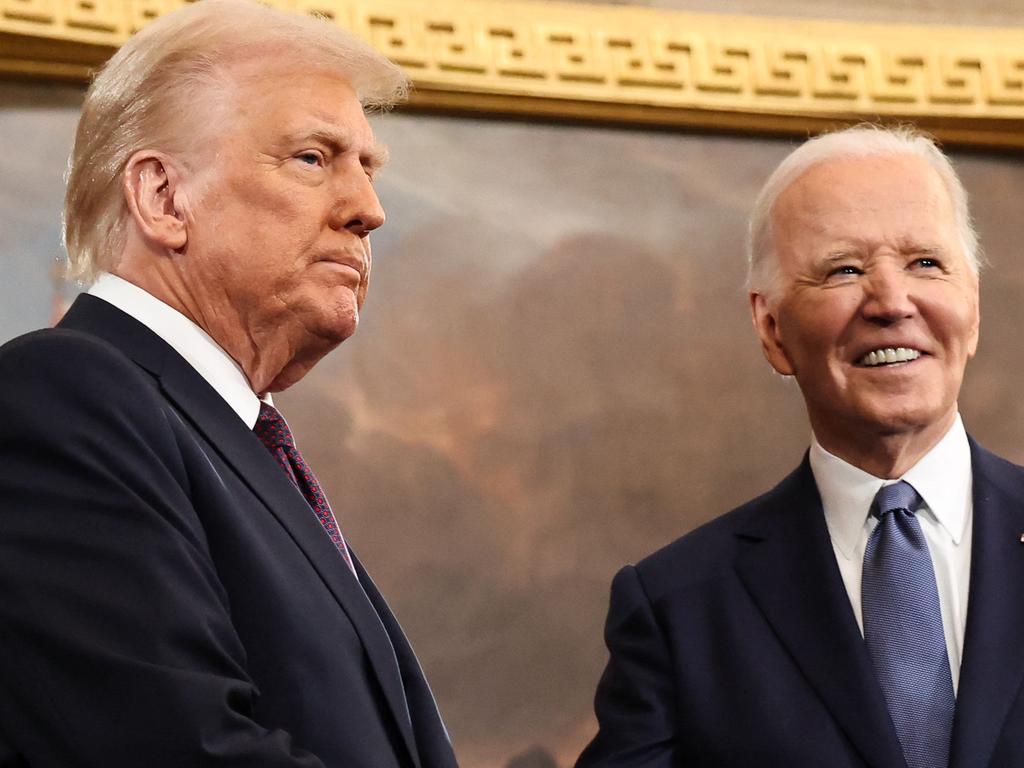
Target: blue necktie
[903,629]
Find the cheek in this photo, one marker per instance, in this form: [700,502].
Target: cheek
[809,337]
[264,239]
[954,320]
[274,252]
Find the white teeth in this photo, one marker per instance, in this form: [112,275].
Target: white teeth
[889,355]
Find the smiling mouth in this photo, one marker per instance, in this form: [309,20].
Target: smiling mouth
[888,356]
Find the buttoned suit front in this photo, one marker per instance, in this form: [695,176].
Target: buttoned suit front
[736,645]
[167,596]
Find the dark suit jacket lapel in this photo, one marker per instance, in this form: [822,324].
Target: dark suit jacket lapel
[210,415]
[432,739]
[993,660]
[239,447]
[787,563]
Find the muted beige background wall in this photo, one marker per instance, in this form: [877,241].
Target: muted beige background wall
[555,375]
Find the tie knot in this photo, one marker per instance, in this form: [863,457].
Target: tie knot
[272,429]
[896,496]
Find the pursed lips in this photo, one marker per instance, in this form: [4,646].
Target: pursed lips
[352,262]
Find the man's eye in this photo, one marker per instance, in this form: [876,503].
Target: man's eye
[310,158]
[845,269]
[928,262]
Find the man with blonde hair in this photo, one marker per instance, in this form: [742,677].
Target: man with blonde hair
[175,589]
[865,611]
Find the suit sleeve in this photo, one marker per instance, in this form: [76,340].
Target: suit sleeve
[635,701]
[116,641]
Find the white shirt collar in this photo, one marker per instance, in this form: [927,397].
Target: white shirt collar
[942,477]
[188,340]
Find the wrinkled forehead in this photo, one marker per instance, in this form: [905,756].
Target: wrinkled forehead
[836,178]
[254,78]
[892,195]
[279,101]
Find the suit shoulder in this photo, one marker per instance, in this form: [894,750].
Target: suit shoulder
[52,344]
[981,455]
[704,546]
[990,469]
[59,378]
[56,353]
[708,551]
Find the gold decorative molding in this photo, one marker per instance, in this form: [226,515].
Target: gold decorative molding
[621,64]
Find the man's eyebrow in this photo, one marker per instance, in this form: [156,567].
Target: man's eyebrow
[838,254]
[921,249]
[376,157]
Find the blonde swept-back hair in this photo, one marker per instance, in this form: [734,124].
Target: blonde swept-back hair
[864,140]
[141,99]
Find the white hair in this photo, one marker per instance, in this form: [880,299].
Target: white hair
[858,141]
[145,98]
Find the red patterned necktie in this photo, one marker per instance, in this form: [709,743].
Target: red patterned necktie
[273,432]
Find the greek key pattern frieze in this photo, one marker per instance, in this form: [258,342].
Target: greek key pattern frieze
[613,55]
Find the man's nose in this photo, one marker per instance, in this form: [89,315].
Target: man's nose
[358,208]
[888,295]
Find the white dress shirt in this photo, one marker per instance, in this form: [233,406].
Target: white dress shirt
[188,339]
[943,479]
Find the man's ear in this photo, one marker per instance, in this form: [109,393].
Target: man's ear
[767,326]
[151,181]
[972,343]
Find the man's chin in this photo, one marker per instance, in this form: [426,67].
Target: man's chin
[895,418]
[337,320]
[305,358]
[341,328]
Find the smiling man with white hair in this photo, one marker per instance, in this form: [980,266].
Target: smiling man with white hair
[175,589]
[826,622]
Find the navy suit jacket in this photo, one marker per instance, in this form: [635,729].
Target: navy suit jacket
[167,597]
[737,646]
